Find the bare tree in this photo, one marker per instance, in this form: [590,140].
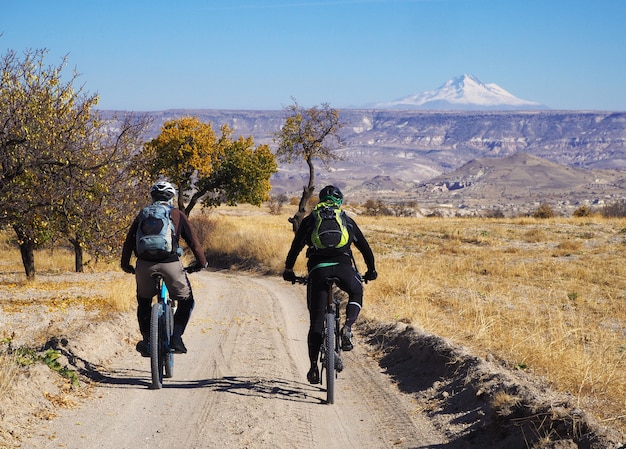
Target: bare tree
[112,175]
[308,134]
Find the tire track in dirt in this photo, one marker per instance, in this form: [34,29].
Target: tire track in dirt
[250,344]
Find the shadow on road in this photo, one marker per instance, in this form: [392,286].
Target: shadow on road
[281,389]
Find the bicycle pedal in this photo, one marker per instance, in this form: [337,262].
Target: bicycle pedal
[338,363]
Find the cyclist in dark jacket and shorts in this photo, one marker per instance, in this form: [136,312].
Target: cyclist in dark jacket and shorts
[325,263]
[171,268]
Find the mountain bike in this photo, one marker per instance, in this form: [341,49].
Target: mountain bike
[161,330]
[330,351]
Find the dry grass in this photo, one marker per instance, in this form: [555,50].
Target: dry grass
[545,296]
[59,285]
[247,238]
[55,288]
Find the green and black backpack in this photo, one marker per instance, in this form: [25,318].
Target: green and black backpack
[330,229]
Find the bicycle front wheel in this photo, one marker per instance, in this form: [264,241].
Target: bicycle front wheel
[156,346]
[330,357]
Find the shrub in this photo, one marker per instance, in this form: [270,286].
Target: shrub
[377,208]
[544,211]
[582,211]
[204,227]
[276,203]
[617,209]
[494,213]
[374,207]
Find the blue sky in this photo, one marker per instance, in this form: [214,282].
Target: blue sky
[259,54]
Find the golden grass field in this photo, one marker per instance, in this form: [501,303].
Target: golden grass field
[547,296]
[542,295]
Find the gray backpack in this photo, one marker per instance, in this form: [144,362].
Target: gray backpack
[156,236]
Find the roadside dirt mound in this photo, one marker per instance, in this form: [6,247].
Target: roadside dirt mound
[478,402]
[33,393]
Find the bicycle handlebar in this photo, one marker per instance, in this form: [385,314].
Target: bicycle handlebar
[301,280]
[305,280]
[189,269]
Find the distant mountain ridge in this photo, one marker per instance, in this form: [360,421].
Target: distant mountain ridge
[519,182]
[521,171]
[395,154]
[465,92]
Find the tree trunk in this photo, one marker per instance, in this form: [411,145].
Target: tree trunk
[27,250]
[307,193]
[296,220]
[78,255]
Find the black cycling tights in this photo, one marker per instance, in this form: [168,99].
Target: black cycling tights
[350,282]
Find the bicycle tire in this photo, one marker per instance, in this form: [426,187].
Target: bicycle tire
[156,347]
[168,355]
[329,347]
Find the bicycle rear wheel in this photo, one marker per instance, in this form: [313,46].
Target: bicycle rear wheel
[156,346]
[329,347]
[168,355]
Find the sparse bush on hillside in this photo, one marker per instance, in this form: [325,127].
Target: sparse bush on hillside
[582,211]
[404,209]
[494,213]
[204,227]
[276,203]
[295,201]
[544,211]
[380,208]
[373,207]
[617,209]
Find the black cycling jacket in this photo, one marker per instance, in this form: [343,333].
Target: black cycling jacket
[339,255]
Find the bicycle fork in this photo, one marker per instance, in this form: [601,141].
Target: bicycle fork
[338,359]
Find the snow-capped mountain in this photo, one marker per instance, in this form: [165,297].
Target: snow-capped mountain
[463,93]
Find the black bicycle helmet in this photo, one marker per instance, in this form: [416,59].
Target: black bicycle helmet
[162,191]
[331,193]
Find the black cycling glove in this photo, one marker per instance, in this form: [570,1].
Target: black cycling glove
[289,276]
[370,275]
[194,267]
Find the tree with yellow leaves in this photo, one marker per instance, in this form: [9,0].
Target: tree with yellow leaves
[208,169]
[57,160]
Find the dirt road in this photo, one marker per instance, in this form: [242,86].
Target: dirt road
[241,385]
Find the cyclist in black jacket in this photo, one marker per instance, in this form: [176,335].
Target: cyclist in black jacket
[325,263]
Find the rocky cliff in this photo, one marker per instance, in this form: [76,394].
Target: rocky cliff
[397,150]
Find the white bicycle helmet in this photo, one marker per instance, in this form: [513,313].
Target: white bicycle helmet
[162,191]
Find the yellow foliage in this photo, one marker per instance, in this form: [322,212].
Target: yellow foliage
[189,154]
